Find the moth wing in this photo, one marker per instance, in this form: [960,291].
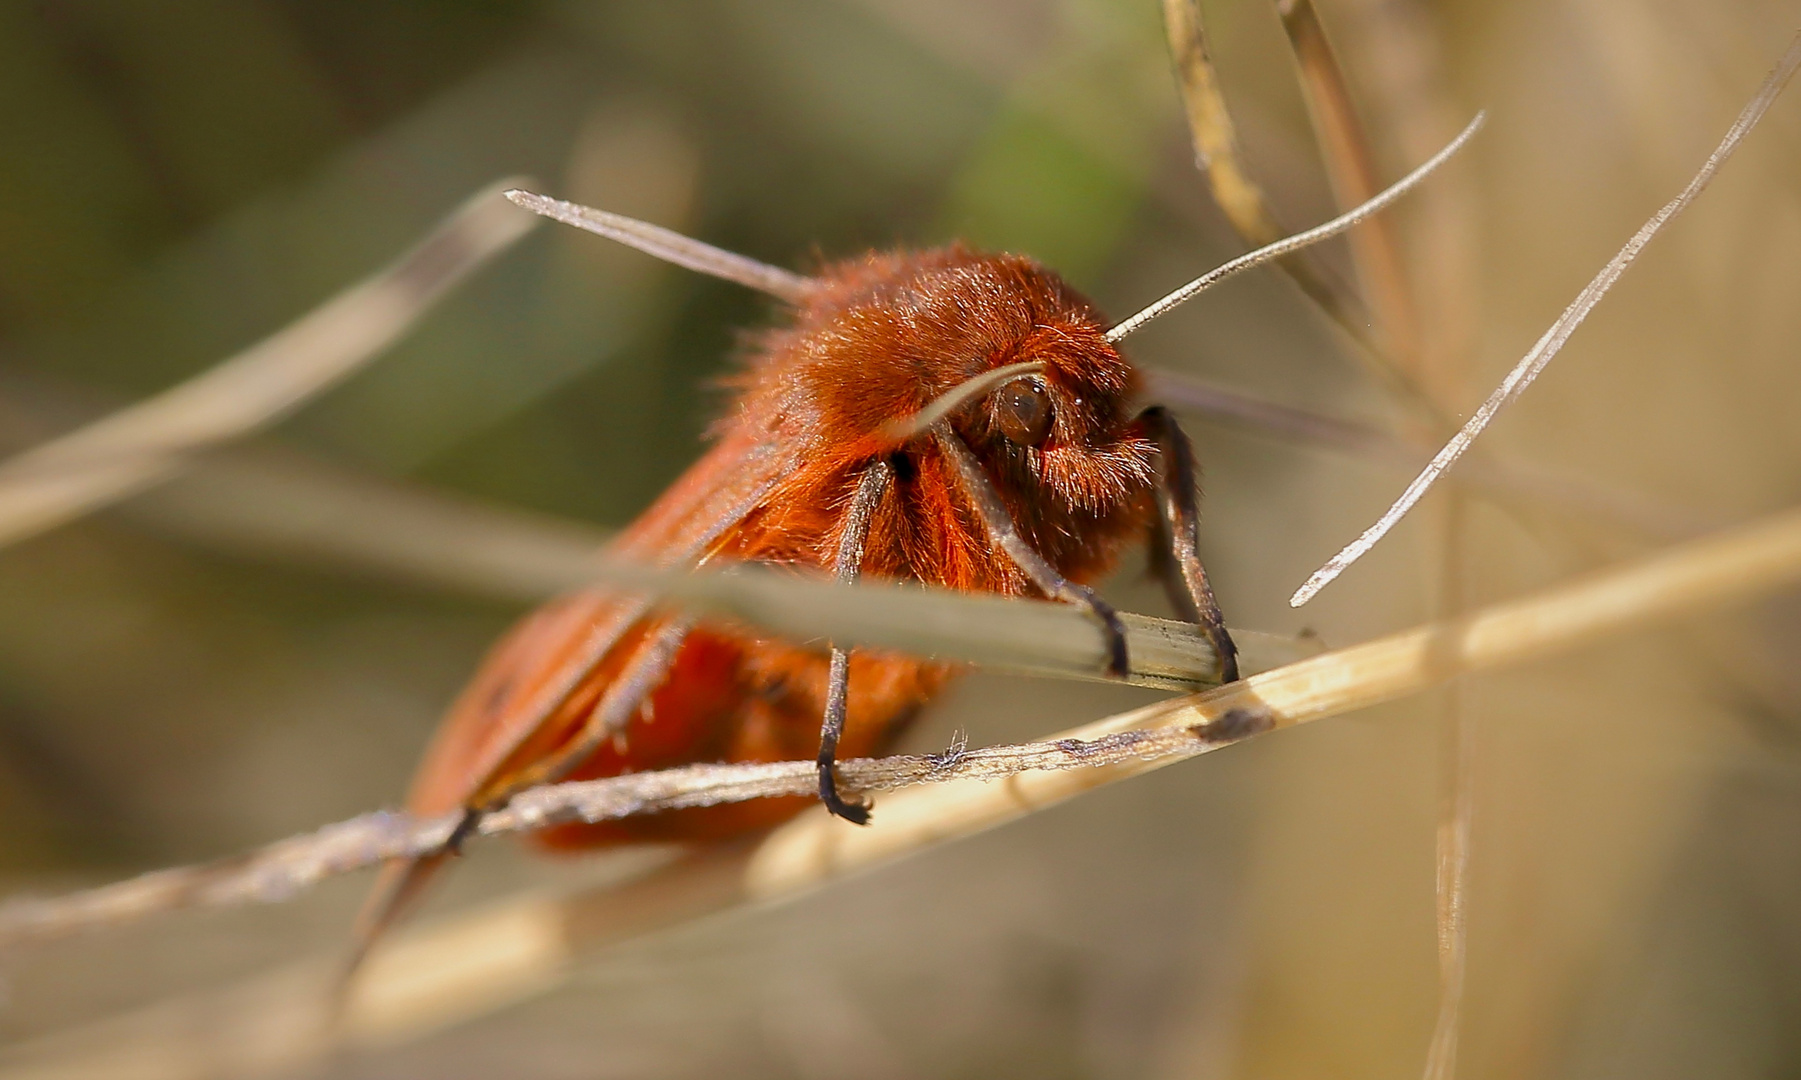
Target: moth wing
[502,715]
[534,683]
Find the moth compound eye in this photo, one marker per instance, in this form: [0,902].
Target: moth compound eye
[1023,410]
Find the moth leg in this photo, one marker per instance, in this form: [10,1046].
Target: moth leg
[845,568]
[1175,554]
[836,691]
[1005,535]
[465,828]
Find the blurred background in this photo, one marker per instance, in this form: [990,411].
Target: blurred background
[178,181]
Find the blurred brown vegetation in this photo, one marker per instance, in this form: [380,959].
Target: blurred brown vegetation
[180,180]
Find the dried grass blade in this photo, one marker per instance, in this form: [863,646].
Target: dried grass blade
[1221,161]
[1030,636]
[67,477]
[1717,570]
[1210,125]
[289,508]
[1720,569]
[1553,340]
[1352,170]
[526,945]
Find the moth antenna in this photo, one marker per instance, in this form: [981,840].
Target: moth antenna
[906,427]
[671,246]
[1298,241]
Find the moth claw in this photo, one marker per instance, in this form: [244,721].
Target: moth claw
[854,812]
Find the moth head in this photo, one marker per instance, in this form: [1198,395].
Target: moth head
[1050,416]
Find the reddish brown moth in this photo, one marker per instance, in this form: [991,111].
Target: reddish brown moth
[944,416]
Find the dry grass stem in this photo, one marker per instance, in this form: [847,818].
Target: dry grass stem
[1452,846]
[267,501]
[1026,636]
[1210,125]
[1218,155]
[1456,808]
[147,442]
[1554,338]
[962,796]
[1237,194]
[283,869]
[1351,168]
[464,967]
[425,978]
[1719,569]
[1376,253]
[273,504]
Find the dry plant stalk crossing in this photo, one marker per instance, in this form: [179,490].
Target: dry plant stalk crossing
[1732,565]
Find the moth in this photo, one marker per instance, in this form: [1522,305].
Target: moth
[946,416]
